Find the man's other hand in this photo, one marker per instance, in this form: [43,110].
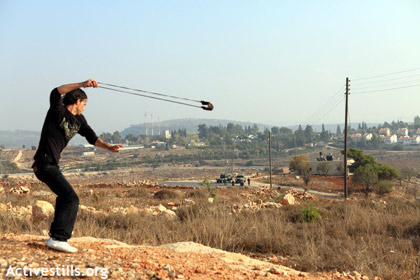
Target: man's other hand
[90,83]
[116,148]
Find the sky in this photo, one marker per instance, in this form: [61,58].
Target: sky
[280,63]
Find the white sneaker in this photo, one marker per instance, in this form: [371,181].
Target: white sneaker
[60,246]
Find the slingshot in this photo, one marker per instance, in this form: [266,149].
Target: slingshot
[206,105]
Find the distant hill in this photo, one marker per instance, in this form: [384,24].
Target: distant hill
[27,138]
[191,125]
[20,138]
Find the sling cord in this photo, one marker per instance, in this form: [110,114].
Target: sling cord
[204,103]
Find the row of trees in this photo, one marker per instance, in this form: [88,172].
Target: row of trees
[282,137]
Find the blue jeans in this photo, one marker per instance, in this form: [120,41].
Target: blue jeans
[66,204]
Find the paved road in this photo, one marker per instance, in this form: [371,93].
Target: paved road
[254,184]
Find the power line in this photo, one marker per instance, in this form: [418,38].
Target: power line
[324,107]
[384,75]
[329,111]
[373,86]
[388,89]
[391,79]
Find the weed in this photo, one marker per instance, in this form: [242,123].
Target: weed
[311,214]
[165,194]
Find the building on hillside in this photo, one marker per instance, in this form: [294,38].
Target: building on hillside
[358,137]
[409,141]
[384,131]
[402,132]
[281,170]
[389,140]
[194,143]
[88,154]
[167,134]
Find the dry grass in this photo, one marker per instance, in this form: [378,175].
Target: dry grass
[374,238]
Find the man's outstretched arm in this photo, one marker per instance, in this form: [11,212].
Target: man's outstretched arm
[102,144]
[69,87]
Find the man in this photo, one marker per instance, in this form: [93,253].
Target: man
[64,119]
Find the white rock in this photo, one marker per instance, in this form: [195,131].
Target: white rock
[170,214]
[42,209]
[161,208]
[24,189]
[288,199]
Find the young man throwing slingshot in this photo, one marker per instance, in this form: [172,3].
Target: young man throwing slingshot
[63,121]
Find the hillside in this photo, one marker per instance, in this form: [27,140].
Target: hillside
[191,125]
[105,258]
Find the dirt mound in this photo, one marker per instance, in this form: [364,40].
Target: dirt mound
[104,258]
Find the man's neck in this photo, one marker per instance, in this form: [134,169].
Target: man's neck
[72,109]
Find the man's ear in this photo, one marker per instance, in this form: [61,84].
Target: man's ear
[78,101]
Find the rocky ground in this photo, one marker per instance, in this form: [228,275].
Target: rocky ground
[116,260]
[109,259]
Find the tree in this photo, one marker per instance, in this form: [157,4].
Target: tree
[338,130]
[285,130]
[309,134]
[416,122]
[360,158]
[107,137]
[383,171]
[386,172]
[130,138]
[116,137]
[364,126]
[254,129]
[300,164]
[366,176]
[203,131]
[300,137]
[324,134]
[324,167]
[275,130]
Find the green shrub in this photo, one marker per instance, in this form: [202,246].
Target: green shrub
[384,187]
[311,214]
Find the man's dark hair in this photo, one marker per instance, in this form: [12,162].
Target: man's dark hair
[71,97]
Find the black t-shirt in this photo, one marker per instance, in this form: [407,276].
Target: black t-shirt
[59,127]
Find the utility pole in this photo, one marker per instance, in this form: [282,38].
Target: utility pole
[269,154]
[346,193]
